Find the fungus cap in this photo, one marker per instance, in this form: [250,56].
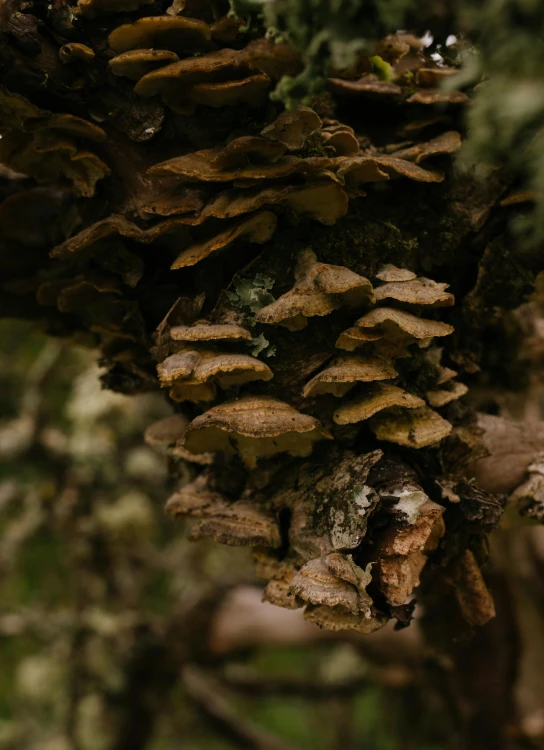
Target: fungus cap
[418,291]
[203,330]
[414,429]
[378,396]
[251,90]
[75,51]
[357,170]
[292,127]
[320,288]
[239,524]
[258,228]
[442,396]
[337,618]
[389,273]
[345,372]
[166,431]
[136,63]
[254,426]
[316,584]
[199,367]
[445,143]
[394,324]
[175,33]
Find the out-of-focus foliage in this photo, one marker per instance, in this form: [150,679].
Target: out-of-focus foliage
[327,33]
[98,593]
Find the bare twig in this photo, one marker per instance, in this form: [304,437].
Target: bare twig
[210,699]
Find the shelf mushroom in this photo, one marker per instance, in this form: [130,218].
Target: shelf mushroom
[320,288]
[254,426]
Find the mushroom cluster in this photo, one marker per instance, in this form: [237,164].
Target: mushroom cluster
[268,269]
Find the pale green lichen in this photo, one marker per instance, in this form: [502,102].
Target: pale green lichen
[254,294]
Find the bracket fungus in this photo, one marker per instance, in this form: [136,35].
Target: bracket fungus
[137,63]
[173,33]
[392,325]
[258,228]
[291,128]
[320,288]
[254,426]
[193,374]
[413,429]
[418,291]
[203,330]
[333,581]
[345,372]
[377,397]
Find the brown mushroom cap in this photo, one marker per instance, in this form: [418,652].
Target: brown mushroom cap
[239,524]
[323,201]
[200,367]
[379,396]
[442,396]
[174,83]
[345,372]
[73,126]
[337,618]
[201,166]
[354,337]
[136,63]
[112,225]
[357,170]
[320,289]
[48,156]
[203,330]
[245,150]
[445,374]
[190,390]
[414,429]
[435,96]
[292,127]
[254,426]
[341,138]
[315,584]
[389,272]
[166,431]
[369,85]
[433,77]
[419,291]
[258,228]
[386,322]
[277,589]
[75,51]
[252,90]
[194,500]
[176,33]
[446,143]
